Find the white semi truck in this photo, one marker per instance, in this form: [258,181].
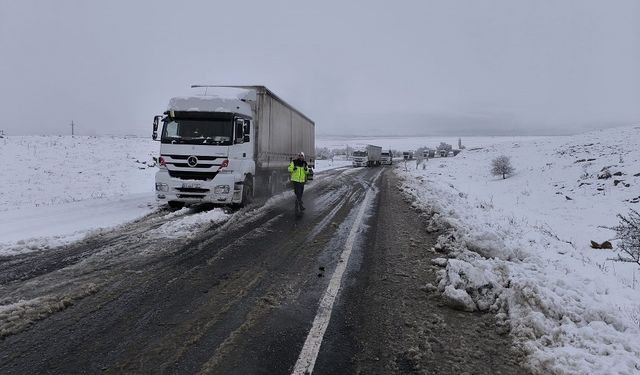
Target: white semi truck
[225,144]
[367,156]
[387,157]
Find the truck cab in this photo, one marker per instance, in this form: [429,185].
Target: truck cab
[222,144]
[206,151]
[387,157]
[407,155]
[360,158]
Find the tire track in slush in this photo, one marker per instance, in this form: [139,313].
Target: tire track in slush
[131,283]
[311,347]
[242,314]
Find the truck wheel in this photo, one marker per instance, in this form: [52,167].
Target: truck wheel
[247,191]
[175,205]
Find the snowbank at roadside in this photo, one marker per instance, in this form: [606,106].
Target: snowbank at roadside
[520,247]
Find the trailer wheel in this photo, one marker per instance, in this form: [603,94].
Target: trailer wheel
[247,191]
[175,205]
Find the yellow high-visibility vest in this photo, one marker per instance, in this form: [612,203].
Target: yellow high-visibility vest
[298,174]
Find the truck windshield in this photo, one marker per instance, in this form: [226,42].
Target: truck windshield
[359,153]
[191,131]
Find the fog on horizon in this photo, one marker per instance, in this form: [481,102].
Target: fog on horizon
[496,67]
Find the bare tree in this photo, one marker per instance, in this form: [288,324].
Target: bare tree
[628,232]
[444,147]
[501,166]
[323,153]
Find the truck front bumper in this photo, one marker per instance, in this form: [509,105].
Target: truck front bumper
[222,189]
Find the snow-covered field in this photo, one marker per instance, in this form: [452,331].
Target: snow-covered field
[520,247]
[338,162]
[57,189]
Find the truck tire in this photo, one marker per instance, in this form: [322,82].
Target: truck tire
[247,191]
[175,205]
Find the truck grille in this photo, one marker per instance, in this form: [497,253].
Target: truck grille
[192,190]
[188,175]
[185,157]
[185,165]
[189,196]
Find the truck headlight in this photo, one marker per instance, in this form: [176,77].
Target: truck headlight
[162,187]
[222,189]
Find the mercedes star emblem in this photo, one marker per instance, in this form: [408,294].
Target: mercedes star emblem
[192,161]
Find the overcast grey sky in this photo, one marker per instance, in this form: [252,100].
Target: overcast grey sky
[365,67]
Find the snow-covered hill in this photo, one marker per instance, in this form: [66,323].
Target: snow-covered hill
[520,247]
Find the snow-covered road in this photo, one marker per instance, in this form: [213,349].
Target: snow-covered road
[94,239]
[207,292]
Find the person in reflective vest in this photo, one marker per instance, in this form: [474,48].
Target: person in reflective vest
[298,169]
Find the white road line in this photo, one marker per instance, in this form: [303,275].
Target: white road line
[309,354]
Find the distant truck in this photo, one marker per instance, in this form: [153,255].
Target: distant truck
[387,157]
[367,156]
[407,155]
[226,144]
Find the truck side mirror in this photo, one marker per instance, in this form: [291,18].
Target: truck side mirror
[247,130]
[156,122]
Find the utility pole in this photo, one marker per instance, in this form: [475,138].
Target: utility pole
[72,128]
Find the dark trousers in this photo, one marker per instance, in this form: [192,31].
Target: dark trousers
[298,189]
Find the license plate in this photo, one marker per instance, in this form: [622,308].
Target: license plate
[191,186]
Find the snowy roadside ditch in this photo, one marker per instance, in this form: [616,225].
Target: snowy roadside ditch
[570,308]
